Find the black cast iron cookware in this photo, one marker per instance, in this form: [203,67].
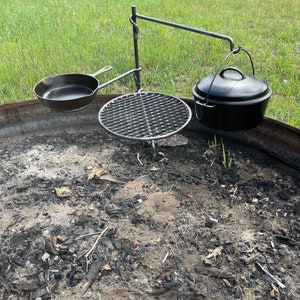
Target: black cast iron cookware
[68,91]
[71,92]
[231,100]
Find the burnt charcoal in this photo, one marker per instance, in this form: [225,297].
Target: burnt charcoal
[209,224]
[296,208]
[41,293]
[283,195]
[137,219]
[111,232]
[118,245]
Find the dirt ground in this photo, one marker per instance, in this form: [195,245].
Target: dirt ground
[85,215]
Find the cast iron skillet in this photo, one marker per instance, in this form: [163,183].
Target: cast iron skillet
[71,92]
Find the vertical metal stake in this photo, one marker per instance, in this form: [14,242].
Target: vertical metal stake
[135,43]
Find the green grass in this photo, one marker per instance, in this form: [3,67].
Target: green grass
[39,38]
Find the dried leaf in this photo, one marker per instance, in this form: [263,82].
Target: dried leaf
[96,173]
[106,267]
[275,293]
[63,192]
[215,252]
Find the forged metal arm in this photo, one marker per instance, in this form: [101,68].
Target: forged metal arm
[134,16]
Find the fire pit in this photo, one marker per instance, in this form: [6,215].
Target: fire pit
[80,215]
[84,215]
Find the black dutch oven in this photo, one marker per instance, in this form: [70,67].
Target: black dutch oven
[231,100]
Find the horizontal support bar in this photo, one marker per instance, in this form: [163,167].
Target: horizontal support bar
[187,28]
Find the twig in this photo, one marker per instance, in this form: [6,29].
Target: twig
[213,161]
[270,275]
[93,247]
[165,258]
[95,244]
[138,158]
[95,269]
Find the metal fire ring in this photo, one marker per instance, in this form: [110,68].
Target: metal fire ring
[144,116]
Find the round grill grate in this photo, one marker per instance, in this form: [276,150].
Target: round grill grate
[144,116]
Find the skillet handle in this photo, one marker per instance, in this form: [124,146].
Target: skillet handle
[117,78]
[102,70]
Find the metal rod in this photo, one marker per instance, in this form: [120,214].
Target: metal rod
[136,52]
[135,71]
[192,29]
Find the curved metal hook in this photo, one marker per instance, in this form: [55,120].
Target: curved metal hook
[136,28]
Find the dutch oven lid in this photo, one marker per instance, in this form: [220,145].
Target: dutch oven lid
[231,84]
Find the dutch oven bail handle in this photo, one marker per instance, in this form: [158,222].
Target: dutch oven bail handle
[235,51]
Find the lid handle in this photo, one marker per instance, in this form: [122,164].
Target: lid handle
[232,69]
[235,51]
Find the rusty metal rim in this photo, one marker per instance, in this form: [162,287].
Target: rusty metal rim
[23,118]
